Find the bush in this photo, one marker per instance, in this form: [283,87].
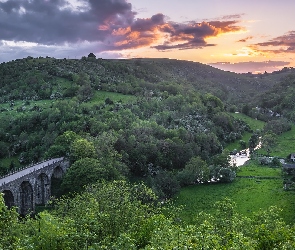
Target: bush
[165,184]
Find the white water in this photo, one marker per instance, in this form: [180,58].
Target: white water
[240,160]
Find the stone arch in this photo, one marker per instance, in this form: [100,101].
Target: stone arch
[8,198]
[56,180]
[57,172]
[42,189]
[26,198]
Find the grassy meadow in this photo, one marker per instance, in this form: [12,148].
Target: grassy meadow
[285,144]
[249,194]
[256,187]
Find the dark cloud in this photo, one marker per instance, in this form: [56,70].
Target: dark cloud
[52,22]
[244,67]
[245,39]
[111,22]
[281,44]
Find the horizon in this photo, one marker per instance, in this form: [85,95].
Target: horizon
[151,58]
[238,37]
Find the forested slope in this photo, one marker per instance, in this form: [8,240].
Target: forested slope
[160,121]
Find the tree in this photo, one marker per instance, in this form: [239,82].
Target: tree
[222,160]
[88,171]
[91,55]
[105,212]
[226,175]
[9,228]
[165,184]
[253,141]
[85,93]
[269,141]
[195,171]
[246,109]
[82,148]
[277,126]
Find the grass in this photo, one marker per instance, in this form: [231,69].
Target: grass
[286,144]
[259,171]
[253,123]
[249,194]
[98,98]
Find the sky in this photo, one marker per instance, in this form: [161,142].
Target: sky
[236,35]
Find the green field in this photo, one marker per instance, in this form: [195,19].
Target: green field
[259,171]
[253,123]
[99,97]
[249,194]
[286,144]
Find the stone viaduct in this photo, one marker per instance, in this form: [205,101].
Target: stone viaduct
[32,185]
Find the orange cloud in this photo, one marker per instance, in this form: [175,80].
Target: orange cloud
[157,33]
[193,35]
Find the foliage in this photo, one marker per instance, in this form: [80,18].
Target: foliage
[87,171]
[9,231]
[165,184]
[269,141]
[118,215]
[195,171]
[253,189]
[81,148]
[105,211]
[277,126]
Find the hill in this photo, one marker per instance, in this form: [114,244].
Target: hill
[39,78]
[147,117]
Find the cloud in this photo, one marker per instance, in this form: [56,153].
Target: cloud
[53,22]
[111,24]
[255,67]
[234,16]
[245,39]
[193,35]
[140,33]
[280,44]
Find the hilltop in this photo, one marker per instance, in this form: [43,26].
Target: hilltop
[129,77]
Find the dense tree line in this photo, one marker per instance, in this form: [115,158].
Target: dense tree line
[118,215]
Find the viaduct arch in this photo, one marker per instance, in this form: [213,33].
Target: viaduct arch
[32,186]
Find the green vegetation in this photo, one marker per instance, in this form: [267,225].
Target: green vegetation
[252,169]
[118,215]
[285,144]
[249,194]
[164,122]
[253,123]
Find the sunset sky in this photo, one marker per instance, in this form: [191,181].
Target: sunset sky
[235,35]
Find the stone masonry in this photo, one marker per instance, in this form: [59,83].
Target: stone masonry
[32,186]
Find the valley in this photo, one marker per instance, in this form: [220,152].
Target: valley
[149,142]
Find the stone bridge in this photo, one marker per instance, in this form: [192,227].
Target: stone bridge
[32,185]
